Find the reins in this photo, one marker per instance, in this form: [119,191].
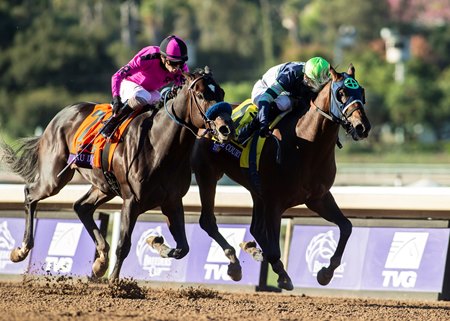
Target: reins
[181,122]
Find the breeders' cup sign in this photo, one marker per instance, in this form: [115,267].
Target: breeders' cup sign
[11,233]
[403,259]
[205,262]
[311,249]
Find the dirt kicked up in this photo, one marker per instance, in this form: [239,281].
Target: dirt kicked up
[65,298]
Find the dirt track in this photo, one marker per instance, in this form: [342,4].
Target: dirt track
[70,299]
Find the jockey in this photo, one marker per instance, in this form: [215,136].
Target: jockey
[279,87]
[137,83]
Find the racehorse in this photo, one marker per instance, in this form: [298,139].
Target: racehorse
[151,166]
[302,174]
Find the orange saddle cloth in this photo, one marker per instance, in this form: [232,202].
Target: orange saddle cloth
[87,145]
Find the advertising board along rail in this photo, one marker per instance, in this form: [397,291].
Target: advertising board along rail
[401,214]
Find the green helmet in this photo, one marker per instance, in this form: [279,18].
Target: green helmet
[317,69]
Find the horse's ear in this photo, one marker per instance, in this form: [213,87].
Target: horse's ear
[351,71]
[333,73]
[188,76]
[208,71]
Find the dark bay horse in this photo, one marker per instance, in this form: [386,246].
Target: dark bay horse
[151,166]
[303,175]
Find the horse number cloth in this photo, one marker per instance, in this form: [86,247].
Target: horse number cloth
[88,130]
[241,116]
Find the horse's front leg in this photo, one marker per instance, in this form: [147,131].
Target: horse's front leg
[85,208]
[209,224]
[129,214]
[328,209]
[173,210]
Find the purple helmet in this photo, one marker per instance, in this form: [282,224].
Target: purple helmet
[174,49]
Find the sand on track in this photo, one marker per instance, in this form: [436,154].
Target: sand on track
[65,298]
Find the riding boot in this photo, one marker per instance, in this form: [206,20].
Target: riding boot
[246,132]
[111,126]
[263,116]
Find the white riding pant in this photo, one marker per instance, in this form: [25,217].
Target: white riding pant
[283,101]
[136,95]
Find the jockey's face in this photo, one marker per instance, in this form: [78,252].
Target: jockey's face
[172,66]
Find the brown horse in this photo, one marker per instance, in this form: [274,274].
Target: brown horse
[151,166]
[303,174]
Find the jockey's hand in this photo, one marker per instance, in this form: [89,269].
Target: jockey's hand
[264,131]
[116,104]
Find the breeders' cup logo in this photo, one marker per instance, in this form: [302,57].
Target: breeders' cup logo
[404,256]
[7,243]
[148,258]
[319,251]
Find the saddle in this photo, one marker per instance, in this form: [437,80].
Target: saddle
[88,145]
[250,153]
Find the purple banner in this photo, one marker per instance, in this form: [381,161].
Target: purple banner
[11,235]
[403,259]
[205,262]
[62,247]
[311,249]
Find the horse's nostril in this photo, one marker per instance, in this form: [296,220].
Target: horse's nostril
[360,129]
[224,130]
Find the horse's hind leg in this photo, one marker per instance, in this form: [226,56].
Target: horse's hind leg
[328,209]
[265,227]
[47,185]
[85,208]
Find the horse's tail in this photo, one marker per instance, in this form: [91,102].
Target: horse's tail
[24,160]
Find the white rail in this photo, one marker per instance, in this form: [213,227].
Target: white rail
[236,199]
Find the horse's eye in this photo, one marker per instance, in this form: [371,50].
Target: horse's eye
[340,94]
[199,95]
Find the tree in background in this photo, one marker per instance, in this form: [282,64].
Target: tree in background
[53,52]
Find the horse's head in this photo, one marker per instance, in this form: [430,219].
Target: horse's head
[206,111]
[346,105]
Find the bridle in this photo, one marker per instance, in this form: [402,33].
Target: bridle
[340,112]
[209,124]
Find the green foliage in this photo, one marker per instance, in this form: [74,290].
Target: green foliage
[53,53]
[237,92]
[36,108]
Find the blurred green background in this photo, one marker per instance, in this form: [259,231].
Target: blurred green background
[57,52]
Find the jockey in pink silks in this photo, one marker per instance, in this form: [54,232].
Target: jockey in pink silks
[137,84]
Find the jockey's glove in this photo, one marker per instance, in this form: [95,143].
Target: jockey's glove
[264,131]
[116,104]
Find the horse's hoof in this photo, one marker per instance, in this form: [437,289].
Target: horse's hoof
[99,268]
[324,276]
[155,240]
[177,253]
[285,283]
[247,245]
[235,271]
[252,249]
[16,255]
